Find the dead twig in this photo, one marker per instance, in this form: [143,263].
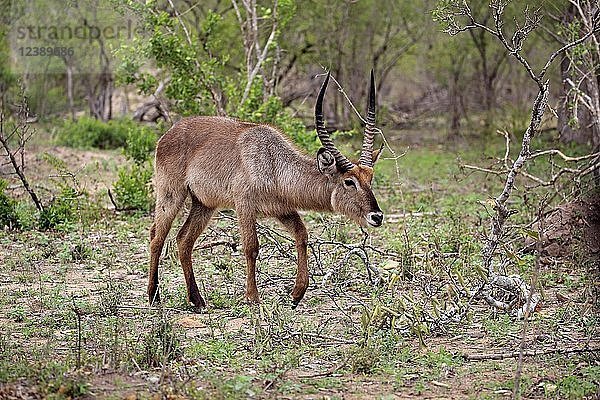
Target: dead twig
[329,372]
[117,207]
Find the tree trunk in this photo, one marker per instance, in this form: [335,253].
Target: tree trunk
[100,97]
[70,89]
[454,98]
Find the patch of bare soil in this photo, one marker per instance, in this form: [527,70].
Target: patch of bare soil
[95,170]
[572,227]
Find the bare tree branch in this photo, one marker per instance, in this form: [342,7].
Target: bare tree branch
[21,129]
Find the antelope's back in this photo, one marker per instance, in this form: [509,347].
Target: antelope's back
[219,158]
[195,136]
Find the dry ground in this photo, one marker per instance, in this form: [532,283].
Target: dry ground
[74,320]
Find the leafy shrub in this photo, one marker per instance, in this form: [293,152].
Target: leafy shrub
[132,189]
[70,204]
[61,211]
[364,360]
[139,144]
[197,72]
[273,112]
[8,209]
[89,132]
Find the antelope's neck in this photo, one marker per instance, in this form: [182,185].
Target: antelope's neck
[309,188]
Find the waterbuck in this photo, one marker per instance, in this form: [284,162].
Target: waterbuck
[253,168]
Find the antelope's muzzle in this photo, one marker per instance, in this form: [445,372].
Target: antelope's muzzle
[375,219]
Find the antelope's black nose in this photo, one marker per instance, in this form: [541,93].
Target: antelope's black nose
[375,218]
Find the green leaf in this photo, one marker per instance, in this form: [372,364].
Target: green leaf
[531,233]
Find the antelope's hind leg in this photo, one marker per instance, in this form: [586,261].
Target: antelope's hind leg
[293,224]
[167,208]
[194,225]
[247,224]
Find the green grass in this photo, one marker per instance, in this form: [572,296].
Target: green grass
[77,295]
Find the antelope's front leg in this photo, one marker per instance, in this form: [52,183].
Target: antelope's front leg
[247,224]
[293,223]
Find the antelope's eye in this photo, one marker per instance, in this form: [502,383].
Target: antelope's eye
[349,183]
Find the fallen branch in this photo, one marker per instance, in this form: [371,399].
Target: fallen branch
[528,353]
[329,372]
[232,245]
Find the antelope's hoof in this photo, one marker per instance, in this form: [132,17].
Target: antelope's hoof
[252,299]
[295,303]
[197,309]
[197,303]
[296,298]
[154,300]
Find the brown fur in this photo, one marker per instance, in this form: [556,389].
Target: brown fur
[253,168]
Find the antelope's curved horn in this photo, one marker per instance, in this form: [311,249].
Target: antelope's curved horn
[366,155]
[341,161]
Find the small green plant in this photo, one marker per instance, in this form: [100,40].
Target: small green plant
[79,251]
[220,300]
[69,204]
[160,345]
[60,213]
[576,387]
[55,381]
[132,189]
[364,359]
[18,314]
[438,361]
[111,297]
[217,351]
[9,217]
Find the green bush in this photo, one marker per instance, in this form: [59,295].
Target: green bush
[87,133]
[132,189]
[274,112]
[364,360]
[9,217]
[71,204]
[61,211]
[139,144]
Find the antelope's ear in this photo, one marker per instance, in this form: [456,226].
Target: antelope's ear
[377,153]
[326,162]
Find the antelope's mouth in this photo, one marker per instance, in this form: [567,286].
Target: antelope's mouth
[374,219]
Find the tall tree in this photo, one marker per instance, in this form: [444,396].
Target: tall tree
[350,38]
